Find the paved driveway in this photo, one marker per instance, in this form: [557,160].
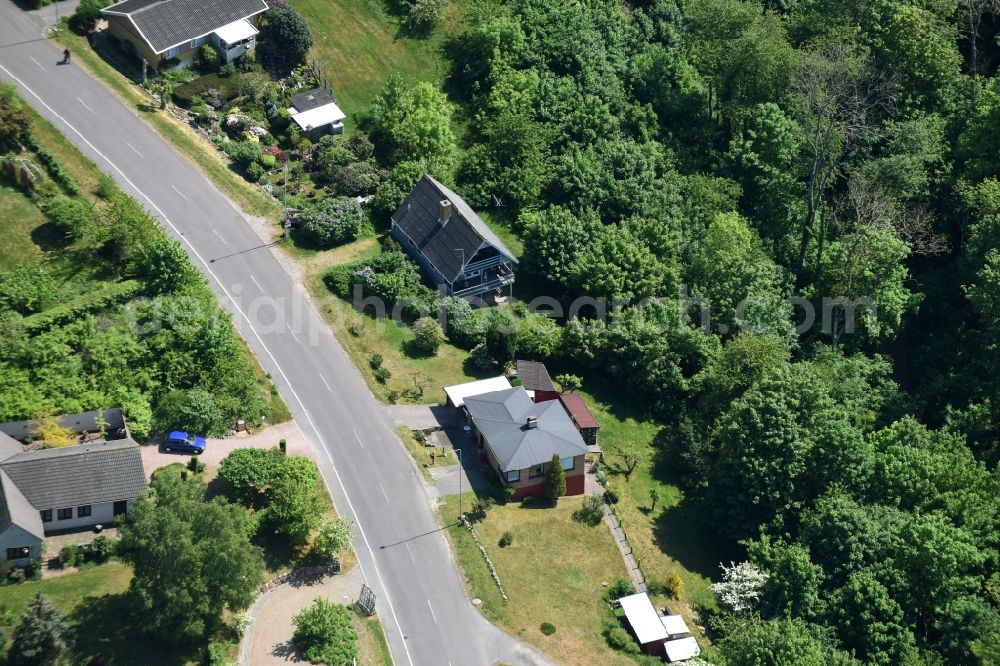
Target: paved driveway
[428,617]
[153,455]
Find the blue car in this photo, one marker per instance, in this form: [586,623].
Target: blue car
[181,441]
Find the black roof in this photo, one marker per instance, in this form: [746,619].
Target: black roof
[311,100]
[447,247]
[167,23]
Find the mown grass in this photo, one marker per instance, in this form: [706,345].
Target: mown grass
[68,591]
[373,649]
[555,571]
[426,457]
[19,219]
[358,44]
[192,146]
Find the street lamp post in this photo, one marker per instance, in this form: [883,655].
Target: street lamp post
[461,516]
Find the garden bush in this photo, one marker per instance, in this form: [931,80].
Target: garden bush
[333,221]
[255,172]
[87,14]
[53,166]
[184,94]
[382,375]
[591,512]
[427,335]
[375,361]
[208,59]
[619,639]
[324,633]
[547,628]
[506,539]
[620,587]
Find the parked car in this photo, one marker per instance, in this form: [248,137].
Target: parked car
[181,441]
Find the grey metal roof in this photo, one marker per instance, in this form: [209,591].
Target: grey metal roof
[453,245]
[534,376]
[311,100]
[112,420]
[82,474]
[15,509]
[167,23]
[501,417]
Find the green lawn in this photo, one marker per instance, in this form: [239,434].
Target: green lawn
[68,591]
[554,571]
[19,220]
[422,455]
[358,44]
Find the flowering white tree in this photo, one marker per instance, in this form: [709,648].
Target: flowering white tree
[740,587]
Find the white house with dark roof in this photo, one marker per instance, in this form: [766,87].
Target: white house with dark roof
[451,243]
[316,114]
[49,490]
[518,438]
[162,30]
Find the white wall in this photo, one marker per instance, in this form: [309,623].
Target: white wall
[99,513]
[15,537]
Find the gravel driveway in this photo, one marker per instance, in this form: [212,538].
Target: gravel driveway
[153,455]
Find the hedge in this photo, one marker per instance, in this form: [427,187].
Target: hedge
[93,302]
[53,166]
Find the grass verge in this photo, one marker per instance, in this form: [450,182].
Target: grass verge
[422,455]
[554,571]
[190,144]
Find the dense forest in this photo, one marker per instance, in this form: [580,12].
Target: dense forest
[751,160]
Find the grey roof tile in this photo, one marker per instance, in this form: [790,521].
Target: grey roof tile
[168,23]
[448,248]
[501,417]
[15,509]
[534,376]
[75,475]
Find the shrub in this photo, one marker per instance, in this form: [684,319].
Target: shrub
[480,508]
[591,512]
[87,14]
[481,357]
[506,539]
[227,70]
[425,14]
[427,335]
[611,495]
[73,217]
[619,639]
[241,622]
[547,628]
[106,187]
[243,153]
[334,536]
[673,586]
[196,466]
[620,587]
[375,361]
[287,37]
[333,221]
[555,480]
[27,289]
[382,375]
[569,383]
[69,555]
[53,166]
[103,548]
[208,58]
[324,632]
[255,172]
[217,654]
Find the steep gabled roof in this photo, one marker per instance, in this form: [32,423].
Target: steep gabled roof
[168,23]
[74,475]
[451,246]
[9,447]
[502,419]
[15,509]
[534,376]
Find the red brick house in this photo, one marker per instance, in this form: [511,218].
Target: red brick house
[518,438]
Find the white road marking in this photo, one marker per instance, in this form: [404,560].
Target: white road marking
[410,553]
[384,495]
[323,379]
[182,195]
[358,438]
[432,611]
[256,283]
[37,63]
[134,150]
[84,105]
[221,238]
[289,327]
[260,340]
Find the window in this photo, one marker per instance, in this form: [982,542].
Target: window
[83,511]
[18,553]
[65,514]
[46,515]
[197,41]
[171,52]
[536,471]
[513,475]
[567,463]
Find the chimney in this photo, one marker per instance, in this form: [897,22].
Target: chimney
[444,211]
[532,422]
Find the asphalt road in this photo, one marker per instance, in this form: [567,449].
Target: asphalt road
[405,558]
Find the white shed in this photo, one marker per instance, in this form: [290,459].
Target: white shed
[459,392]
[644,620]
[682,649]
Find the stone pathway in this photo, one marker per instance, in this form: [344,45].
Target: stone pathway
[634,573]
[267,641]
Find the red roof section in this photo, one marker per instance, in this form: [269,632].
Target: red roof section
[578,410]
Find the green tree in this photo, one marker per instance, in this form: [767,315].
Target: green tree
[287,36]
[73,217]
[15,123]
[191,559]
[411,123]
[27,289]
[870,622]
[324,633]
[756,642]
[794,582]
[164,265]
[294,507]
[555,480]
[334,536]
[41,636]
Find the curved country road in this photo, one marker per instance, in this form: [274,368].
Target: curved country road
[404,556]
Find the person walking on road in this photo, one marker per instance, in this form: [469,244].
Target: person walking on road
[65,60]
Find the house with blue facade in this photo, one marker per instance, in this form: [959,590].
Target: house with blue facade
[453,246]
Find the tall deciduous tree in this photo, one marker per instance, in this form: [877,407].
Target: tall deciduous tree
[287,36]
